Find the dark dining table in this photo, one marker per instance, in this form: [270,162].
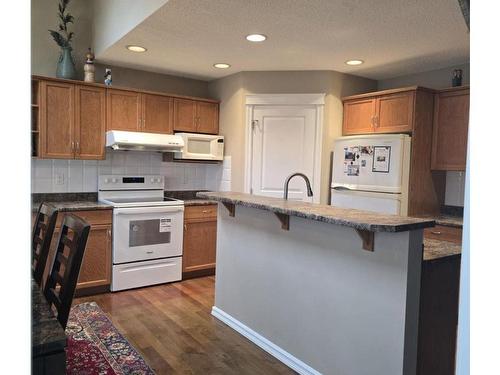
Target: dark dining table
[48,340]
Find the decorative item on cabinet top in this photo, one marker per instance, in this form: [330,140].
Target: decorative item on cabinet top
[63,38]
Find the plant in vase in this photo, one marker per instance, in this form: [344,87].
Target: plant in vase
[65,65]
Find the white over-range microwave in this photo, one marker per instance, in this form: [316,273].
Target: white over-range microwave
[201,147]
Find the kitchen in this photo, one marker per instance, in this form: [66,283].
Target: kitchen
[179,172]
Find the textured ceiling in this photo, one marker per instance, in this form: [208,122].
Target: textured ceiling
[393,37]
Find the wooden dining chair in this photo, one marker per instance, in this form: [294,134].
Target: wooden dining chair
[43,231]
[61,281]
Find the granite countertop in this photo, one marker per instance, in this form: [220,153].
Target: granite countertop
[189,197]
[445,220]
[69,201]
[47,334]
[74,205]
[198,202]
[450,221]
[435,249]
[357,219]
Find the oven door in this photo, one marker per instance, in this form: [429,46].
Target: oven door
[143,233]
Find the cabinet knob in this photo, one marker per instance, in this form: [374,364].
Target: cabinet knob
[185,227]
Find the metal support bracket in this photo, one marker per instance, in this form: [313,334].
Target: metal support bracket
[231,207]
[368,239]
[284,219]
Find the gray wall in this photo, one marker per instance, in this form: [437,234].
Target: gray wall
[434,79]
[140,79]
[45,52]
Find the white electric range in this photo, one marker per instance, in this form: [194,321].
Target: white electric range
[147,231]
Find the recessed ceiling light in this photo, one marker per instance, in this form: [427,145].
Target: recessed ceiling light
[221,66]
[256,37]
[354,62]
[136,49]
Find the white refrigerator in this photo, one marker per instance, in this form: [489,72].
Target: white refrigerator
[370,172]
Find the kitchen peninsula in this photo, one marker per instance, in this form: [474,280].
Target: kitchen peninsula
[324,289]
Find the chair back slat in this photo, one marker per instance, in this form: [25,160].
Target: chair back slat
[61,282]
[43,230]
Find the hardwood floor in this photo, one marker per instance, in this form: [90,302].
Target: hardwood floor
[172,327]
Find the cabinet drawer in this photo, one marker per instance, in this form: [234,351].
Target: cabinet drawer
[444,233]
[201,212]
[92,217]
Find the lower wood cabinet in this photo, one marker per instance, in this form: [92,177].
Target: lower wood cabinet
[200,240]
[95,271]
[444,233]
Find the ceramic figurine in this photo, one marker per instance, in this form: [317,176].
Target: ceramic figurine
[107,77]
[457,78]
[89,68]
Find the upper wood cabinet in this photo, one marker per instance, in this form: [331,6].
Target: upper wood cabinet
[123,110]
[184,115]
[139,112]
[157,114]
[359,116]
[70,118]
[90,122]
[450,130]
[391,111]
[395,113]
[195,116]
[57,120]
[72,121]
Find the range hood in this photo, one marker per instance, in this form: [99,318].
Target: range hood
[138,141]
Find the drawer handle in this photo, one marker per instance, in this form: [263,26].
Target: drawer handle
[204,211]
[436,232]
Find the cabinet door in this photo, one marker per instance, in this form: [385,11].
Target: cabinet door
[184,115]
[207,117]
[90,122]
[451,125]
[57,121]
[96,264]
[200,239]
[395,113]
[157,114]
[123,110]
[359,116]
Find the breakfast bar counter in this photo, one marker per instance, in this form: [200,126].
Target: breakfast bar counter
[323,289]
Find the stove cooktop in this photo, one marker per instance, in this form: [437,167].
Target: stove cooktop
[143,201]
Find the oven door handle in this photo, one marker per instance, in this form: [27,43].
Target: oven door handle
[146,210]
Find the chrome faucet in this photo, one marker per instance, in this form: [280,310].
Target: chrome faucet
[287,181]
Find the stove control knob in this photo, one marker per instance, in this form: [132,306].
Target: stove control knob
[114,180]
[106,180]
[152,180]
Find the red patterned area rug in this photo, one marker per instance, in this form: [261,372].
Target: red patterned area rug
[95,347]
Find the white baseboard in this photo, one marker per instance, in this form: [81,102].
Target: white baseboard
[273,349]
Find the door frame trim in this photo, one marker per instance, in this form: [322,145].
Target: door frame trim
[316,100]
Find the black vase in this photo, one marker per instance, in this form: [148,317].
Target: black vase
[457,78]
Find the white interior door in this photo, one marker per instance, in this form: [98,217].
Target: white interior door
[283,142]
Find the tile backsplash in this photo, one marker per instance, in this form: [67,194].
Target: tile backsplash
[455,189]
[58,175]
